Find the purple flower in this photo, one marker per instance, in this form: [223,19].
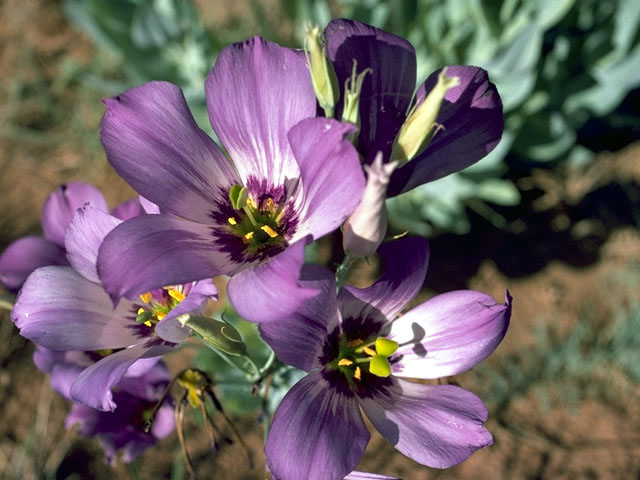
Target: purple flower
[291,179]
[356,347]
[28,253]
[121,432]
[470,118]
[65,308]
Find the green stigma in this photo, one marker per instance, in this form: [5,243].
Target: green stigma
[354,355]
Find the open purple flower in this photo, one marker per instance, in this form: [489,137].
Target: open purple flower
[291,178]
[121,432]
[356,347]
[470,118]
[66,308]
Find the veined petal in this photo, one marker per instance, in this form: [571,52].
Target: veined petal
[297,338]
[448,334]
[152,251]
[331,178]
[405,266]
[129,209]
[59,309]
[317,433]
[93,386]
[472,124]
[83,238]
[387,90]
[272,290]
[256,92]
[435,425]
[170,329]
[24,256]
[61,206]
[153,142]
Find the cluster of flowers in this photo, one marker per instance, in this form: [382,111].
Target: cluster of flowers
[288,175]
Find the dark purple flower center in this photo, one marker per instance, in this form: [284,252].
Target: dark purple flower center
[259,229]
[153,306]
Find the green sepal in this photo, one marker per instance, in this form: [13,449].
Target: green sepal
[238,196]
[379,366]
[385,347]
[216,334]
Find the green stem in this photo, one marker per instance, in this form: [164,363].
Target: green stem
[7,302]
[342,272]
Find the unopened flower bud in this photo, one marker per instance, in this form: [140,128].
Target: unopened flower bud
[352,91]
[365,229]
[216,334]
[420,126]
[323,76]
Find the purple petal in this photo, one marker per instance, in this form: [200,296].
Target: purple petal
[317,433]
[449,334]
[405,266]
[152,251]
[473,123]
[148,206]
[153,142]
[331,177]
[59,309]
[63,367]
[435,425]
[24,256]
[150,384]
[93,385]
[83,238]
[271,291]
[170,329]
[61,206]
[256,92]
[298,338]
[387,90]
[129,209]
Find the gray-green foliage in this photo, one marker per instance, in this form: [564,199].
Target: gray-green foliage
[555,63]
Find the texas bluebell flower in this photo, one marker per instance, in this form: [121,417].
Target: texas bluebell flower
[357,348]
[469,123]
[291,179]
[26,254]
[121,433]
[66,308]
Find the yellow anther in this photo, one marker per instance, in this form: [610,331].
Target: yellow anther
[269,205]
[179,296]
[357,374]
[232,221]
[354,343]
[146,297]
[140,310]
[269,231]
[247,237]
[369,351]
[160,316]
[148,323]
[345,362]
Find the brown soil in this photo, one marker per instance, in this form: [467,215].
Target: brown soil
[561,256]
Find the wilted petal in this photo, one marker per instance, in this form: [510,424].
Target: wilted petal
[435,425]
[93,385]
[59,309]
[129,209]
[387,90]
[448,334]
[331,178]
[298,338]
[405,266]
[472,124]
[24,256]
[256,92]
[317,433]
[153,142]
[152,251]
[272,290]
[61,206]
[83,238]
[170,329]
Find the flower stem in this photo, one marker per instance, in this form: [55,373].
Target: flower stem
[7,301]
[342,272]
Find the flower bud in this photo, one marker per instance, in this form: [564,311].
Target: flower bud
[216,334]
[364,230]
[420,126]
[323,76]
[352,90]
